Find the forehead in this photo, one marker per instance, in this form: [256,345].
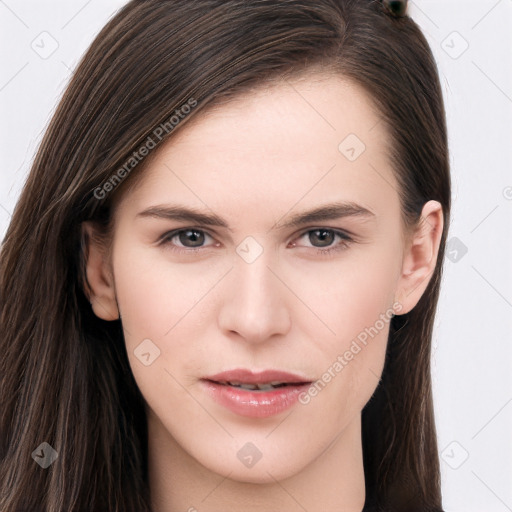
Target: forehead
[316,138]
[310,109]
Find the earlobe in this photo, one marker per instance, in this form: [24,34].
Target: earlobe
[420,258]
[99,285]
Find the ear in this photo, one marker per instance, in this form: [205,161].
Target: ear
[100,288]
[420,256]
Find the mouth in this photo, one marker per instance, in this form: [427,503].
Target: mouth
[267,377]
[255,394]
[258,387]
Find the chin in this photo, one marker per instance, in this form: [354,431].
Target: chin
[260,475]
[245,463]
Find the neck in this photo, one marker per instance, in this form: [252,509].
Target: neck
[333,482]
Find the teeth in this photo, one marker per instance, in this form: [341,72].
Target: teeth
[254,387]
[265,387]
[250,387]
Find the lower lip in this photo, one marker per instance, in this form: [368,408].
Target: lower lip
[254,404]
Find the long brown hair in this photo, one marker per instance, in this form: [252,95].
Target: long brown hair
[65,374]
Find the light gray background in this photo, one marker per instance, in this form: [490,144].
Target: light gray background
[473,350]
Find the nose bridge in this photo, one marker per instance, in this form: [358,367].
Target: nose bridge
[256,305]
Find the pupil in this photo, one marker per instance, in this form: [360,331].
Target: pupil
[190,235]
[326,237]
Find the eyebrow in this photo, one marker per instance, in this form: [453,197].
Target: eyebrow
[331,211]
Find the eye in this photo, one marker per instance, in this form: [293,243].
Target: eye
[185,239]
[191,240]
[324,240]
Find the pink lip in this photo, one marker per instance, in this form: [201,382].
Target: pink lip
[255,404]
[249,377]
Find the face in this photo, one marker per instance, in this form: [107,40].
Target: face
[263,244]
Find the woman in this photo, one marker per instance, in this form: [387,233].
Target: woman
[218,287]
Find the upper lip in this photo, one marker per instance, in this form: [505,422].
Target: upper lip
[263,377]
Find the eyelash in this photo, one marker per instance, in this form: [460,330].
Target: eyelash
[165,240]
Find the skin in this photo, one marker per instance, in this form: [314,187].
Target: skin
[256,162]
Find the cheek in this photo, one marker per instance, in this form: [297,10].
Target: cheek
[335,308]
[354,298]
[164,313]
[349,294]
[154,294]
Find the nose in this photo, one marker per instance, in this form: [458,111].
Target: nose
[255,306]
